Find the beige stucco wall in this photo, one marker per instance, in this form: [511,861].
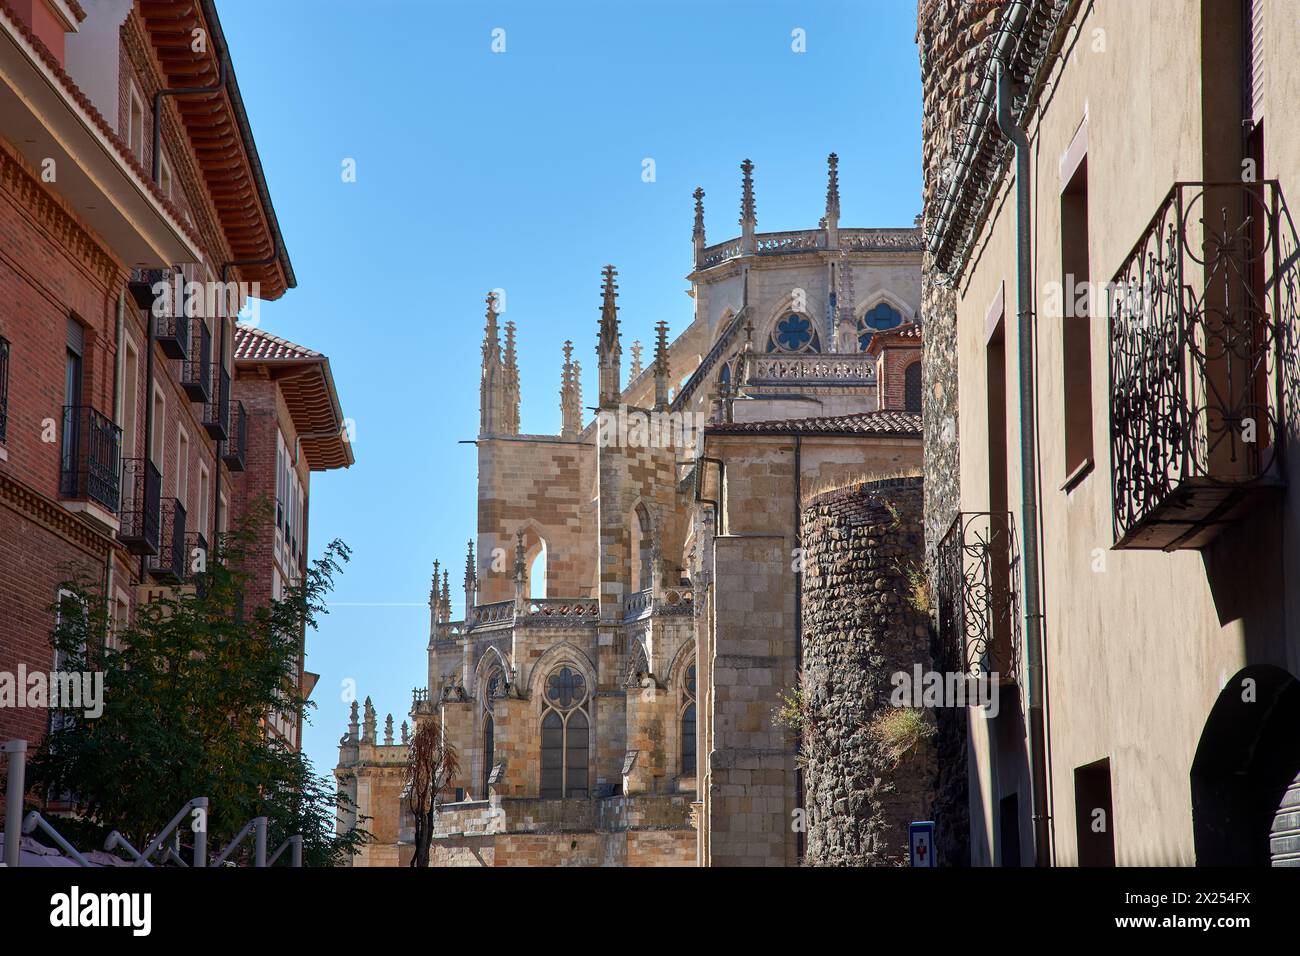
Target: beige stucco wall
[1138,644]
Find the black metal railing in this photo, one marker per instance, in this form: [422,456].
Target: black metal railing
[235,446]
[1197,330]
[172,332]
[978,580]
[141,511]
[171,561]
[196,370]
[216,413]
[90,459]
[4,385]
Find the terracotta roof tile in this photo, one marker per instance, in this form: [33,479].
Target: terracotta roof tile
[885,422]
[254,345]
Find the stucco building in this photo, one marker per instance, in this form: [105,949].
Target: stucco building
[1115,304]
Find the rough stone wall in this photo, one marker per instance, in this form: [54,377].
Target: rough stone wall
[859,628]
[950,37]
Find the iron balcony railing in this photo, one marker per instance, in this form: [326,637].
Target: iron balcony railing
[4,385]
[216,413]
[234,447]
[90,460]
[977,582]
[196,370]
[171,561]
[141,512]
[172,332]
[1200,315]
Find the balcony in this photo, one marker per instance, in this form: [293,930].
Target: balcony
[171,562]
[141,512]
[816,369]
[216,412]
[679,600]
[91,458]
[235,446]
[978,579]
[1197,315]
[196,370]
[4,385]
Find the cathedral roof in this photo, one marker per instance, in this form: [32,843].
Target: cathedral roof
[885,423]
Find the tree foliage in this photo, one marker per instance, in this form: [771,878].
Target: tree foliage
[188,687]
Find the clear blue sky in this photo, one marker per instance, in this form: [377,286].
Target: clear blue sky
[523,170]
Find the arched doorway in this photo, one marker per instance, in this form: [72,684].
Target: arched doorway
[1246,774]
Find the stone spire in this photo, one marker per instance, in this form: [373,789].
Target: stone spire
[368,723]
[608,351]
[446,598]
[354,728]
[832,220]
[636,361]
[697,234]
[471,581]
[570,395]
[510,384]
[519,556]
[406,734]
[661,365]
[748,217]
[435,606]
[494,396]
[388,731]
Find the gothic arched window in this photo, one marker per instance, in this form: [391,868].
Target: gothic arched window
[494,686]
[688,722]
[566,736]
[878,318]
[912,388]
[794,333]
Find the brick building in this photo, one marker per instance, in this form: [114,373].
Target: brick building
[632,594]
[129,241]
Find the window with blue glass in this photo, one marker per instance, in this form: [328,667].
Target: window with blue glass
[794,333]
[878,318]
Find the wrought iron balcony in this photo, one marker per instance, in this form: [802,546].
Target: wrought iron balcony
[1199,315]
[90,465]
[141,512]
[234,447]
[4,385]
[196,370]
[216,413]
[978,580]
[171,561]
[172,332]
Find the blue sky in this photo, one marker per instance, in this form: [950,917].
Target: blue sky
[523,170]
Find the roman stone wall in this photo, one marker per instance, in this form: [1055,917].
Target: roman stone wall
[871,768]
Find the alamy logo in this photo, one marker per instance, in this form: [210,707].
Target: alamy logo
[204,300]
[61,690]
[923,688]
[634,428]
[75,908]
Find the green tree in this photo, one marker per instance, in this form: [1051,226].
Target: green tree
[187,690]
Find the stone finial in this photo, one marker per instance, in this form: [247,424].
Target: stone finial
[661,365]
[368,723]
[491,339]
[510,385]
[499,386]
[353,726]
[446,597]
[406,734]
[748,215]
[388,731]
[698,232]
[608,350]
[519,556]
[832,190]
[471,580]
[433,587]
[636,360]
[570,395]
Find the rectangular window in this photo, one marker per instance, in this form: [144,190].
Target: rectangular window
[135,125]
[130,400]
[1093,818]
[157,445]
[183,468]
[201,506]
[1076,327]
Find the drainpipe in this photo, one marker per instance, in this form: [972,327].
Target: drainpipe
[180,91]
[1028,470]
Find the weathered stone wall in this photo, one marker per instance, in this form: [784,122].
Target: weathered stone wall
[860,626]
[949,36]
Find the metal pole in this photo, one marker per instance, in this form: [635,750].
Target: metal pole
[16,787]
[201,834]
[259,842]
[295,850]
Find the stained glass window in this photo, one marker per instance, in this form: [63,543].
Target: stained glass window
[912,388]
[688,722]
[566,737]
[878,318]
[794,333]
